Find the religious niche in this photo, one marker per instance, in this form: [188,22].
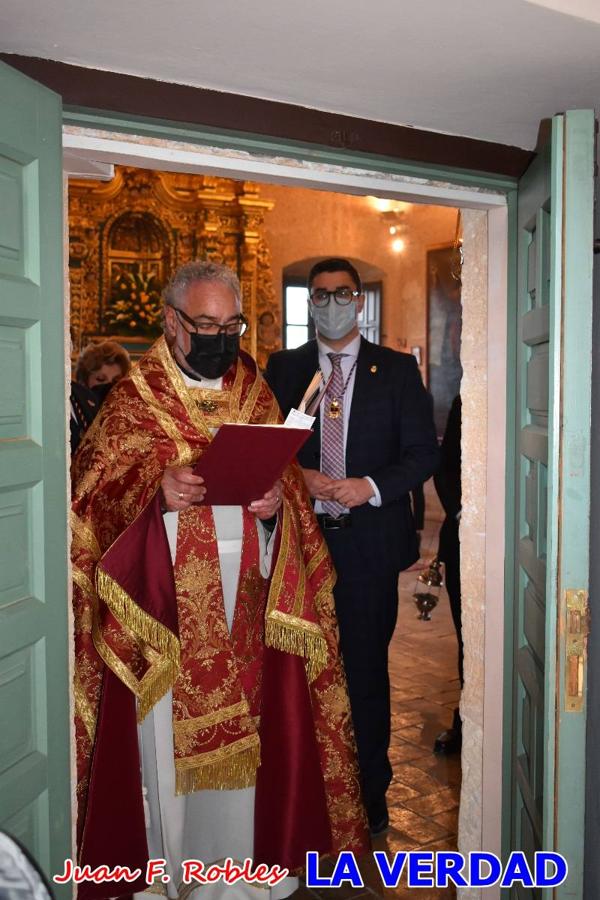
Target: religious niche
[138,263]
[127,235]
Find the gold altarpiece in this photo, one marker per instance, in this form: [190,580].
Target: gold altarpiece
[127,235]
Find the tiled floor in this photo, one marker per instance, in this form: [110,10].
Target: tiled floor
[424,795]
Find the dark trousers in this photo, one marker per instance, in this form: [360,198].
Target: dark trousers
[452,566]
[367,608]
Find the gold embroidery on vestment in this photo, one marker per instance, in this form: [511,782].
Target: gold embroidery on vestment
[83,707]
[84,536]
[214,718]
[166,422]
[180,388]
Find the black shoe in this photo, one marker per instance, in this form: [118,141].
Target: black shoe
[450,741]
[379,820]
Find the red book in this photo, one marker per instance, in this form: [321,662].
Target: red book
[243,462]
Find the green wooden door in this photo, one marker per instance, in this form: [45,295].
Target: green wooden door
[551,530]
[35,796]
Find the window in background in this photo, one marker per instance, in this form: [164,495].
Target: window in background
[369,320]
[298,327]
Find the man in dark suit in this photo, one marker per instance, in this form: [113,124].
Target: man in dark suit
[373,442]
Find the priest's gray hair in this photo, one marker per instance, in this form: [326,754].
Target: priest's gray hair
[198,271]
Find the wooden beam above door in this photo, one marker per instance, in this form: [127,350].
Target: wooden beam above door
[132,95]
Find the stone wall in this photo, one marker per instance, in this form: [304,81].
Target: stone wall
[473,524]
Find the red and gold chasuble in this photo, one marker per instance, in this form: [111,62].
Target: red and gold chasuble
[265,704]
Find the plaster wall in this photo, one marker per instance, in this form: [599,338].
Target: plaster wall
[308,223]
[474,391]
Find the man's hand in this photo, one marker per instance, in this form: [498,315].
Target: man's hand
[318,484]
[351,491]
[181,488]
[267,506]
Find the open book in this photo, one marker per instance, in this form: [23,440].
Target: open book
[243,462]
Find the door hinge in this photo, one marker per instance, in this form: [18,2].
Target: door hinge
[577,630]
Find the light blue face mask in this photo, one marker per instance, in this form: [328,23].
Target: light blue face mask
[334,321]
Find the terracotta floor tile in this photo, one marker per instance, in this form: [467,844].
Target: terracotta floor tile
[416,827]
[447,844]
[394,842]
[406,752]
[398,793]
[449,820]
[414,734]
[445,769]
[415,778]
[433,804]
[403,719]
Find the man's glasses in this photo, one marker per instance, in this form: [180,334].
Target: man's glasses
[342,296]
[235,326]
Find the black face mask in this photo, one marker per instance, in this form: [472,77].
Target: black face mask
[212,354]
[102,391]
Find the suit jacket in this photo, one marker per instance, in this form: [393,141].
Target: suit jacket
[391,437]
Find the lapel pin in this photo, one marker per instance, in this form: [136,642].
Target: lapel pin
[373,369]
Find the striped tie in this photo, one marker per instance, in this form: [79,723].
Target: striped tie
[332,461]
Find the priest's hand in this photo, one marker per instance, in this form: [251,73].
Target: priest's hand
[351,491]
[267,506]
[318,484]
[180,488]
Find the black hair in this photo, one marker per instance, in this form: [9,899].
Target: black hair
[334,265]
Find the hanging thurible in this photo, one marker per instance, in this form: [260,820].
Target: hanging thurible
[431,577]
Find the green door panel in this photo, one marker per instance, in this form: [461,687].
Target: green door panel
[550,533]
[35,793]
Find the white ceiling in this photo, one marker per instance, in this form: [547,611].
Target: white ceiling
[484,69]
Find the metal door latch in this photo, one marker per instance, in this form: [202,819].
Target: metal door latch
[577,612]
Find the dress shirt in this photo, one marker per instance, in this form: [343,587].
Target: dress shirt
[347,363]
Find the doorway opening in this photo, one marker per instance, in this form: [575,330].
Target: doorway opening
[484,392]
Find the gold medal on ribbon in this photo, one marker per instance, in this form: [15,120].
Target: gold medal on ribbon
[334,410]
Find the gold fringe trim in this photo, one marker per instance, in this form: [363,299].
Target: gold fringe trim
[298,637]
[185,726]
[234,771]
[158,679]
[154,685]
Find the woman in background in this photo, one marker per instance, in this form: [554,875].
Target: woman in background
[99,367]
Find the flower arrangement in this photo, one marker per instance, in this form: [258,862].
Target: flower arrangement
[135,304]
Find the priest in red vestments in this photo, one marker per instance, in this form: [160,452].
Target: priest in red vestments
[212,717]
